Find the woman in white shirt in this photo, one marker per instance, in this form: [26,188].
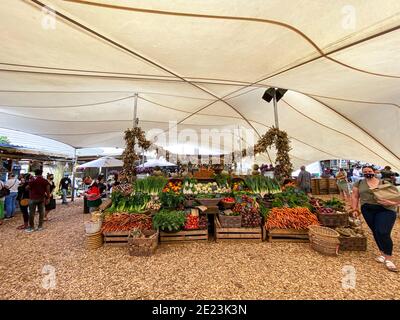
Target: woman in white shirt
[12,184]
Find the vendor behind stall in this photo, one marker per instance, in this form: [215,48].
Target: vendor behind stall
[93,196]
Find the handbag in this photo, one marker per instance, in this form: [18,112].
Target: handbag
[24,202]
[386,191]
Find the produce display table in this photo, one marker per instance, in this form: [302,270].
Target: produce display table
[183,236]
[287,235]
[253,234]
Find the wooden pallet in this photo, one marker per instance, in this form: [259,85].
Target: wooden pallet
[116,238]
[223,234]
[287,235]
[184,236]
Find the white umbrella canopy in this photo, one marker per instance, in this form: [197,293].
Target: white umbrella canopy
[104,162]
[157,162]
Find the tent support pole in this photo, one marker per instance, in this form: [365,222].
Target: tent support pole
[73,176]
[135,119]
[276,110]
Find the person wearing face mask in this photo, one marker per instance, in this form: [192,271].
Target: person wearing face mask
[380,215]
[50,202]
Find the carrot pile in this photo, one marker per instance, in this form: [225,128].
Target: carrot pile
[126,222]
[290,218]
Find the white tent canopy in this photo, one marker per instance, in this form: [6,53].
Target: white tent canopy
[69,71]
[157,163]
[104,162]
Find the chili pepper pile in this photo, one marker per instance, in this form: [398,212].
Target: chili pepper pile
[173,186]
[126,222]
[290,218]
[192,222]
[249,209]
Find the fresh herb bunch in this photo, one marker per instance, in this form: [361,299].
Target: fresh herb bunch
[335,204]
[223,179]
[169,220]
[171,199]
[292,198]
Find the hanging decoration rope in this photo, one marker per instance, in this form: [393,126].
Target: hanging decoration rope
[279,138]
[129,156]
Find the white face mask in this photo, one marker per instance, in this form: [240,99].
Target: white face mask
[379,175]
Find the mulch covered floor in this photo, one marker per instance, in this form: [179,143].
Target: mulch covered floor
[192,271]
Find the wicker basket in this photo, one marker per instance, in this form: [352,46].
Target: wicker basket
[324,240]
[230,221]
[105,204]
[143,246]
[227,205]
[92,226]
[334,220]
[353,243]
[209,202]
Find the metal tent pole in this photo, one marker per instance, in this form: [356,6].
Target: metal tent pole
[276,110]
[135,119]
[73,176]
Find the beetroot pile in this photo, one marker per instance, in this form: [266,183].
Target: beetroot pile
[249,209]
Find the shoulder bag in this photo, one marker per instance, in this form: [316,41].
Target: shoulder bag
[386,191]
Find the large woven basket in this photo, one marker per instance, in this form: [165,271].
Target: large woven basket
[230,221]
[227,205]
[324,240]
[209,202]
[143,246]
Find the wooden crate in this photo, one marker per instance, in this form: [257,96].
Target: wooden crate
[184,236]
[353,243]
[314,186]
[287,235]
[116,238]
[221,234]
[333,187]
[323,186]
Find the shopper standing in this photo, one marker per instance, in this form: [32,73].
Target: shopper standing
[304,180]
[380,215]
[51,203]
[65,184]
[93,197]
[1,202]
[23,199]
[342,183]
[10,201]
[388,174]
[102,186]
[39,190]
[356,174]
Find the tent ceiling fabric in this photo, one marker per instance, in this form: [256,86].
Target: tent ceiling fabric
[205,65]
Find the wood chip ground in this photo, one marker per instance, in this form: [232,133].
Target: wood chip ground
[232,270]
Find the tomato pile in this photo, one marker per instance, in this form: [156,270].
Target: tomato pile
[228,200]
[192,222]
